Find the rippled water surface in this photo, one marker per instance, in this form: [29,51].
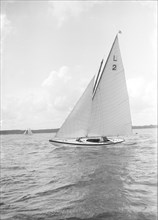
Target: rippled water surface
[42,181]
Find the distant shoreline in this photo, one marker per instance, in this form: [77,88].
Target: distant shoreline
[5,132]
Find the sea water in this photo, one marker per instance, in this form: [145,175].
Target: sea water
[42,181]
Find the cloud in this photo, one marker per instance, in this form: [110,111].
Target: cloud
[47,106]
[149,4]
[63,10]
[143,99]
[143,91]
[54,76]
[135,86]
[24,110]
[64,88]
[4,21]
[5,26]
[5,29]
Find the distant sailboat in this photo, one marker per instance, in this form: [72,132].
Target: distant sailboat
[28,132]
[103,111]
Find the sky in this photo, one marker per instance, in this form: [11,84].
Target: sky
[51,49]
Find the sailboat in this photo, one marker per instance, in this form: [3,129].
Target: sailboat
[28,132]
[102,114]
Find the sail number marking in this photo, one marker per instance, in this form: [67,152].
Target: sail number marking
[114,66]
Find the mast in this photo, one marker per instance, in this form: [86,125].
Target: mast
[98,75]
[95,89]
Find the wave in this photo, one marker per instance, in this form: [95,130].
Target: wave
[65,183]
[113,215]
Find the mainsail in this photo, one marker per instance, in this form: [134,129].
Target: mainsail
[110,113]
[103,109]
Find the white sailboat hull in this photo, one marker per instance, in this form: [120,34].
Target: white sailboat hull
[84,142]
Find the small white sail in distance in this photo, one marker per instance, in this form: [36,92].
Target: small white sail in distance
[28,132]
[103,109]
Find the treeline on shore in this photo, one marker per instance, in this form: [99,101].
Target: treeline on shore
[3,132]
[144,126]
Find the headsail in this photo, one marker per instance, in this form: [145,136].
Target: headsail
[76,124]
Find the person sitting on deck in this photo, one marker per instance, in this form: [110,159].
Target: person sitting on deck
[78,139]
[105,139]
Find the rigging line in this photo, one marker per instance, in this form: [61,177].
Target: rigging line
[98,75]
[104,68]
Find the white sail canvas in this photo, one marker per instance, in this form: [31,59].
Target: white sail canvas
[103,109]
[110,106]
[77,122]
[28,132]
